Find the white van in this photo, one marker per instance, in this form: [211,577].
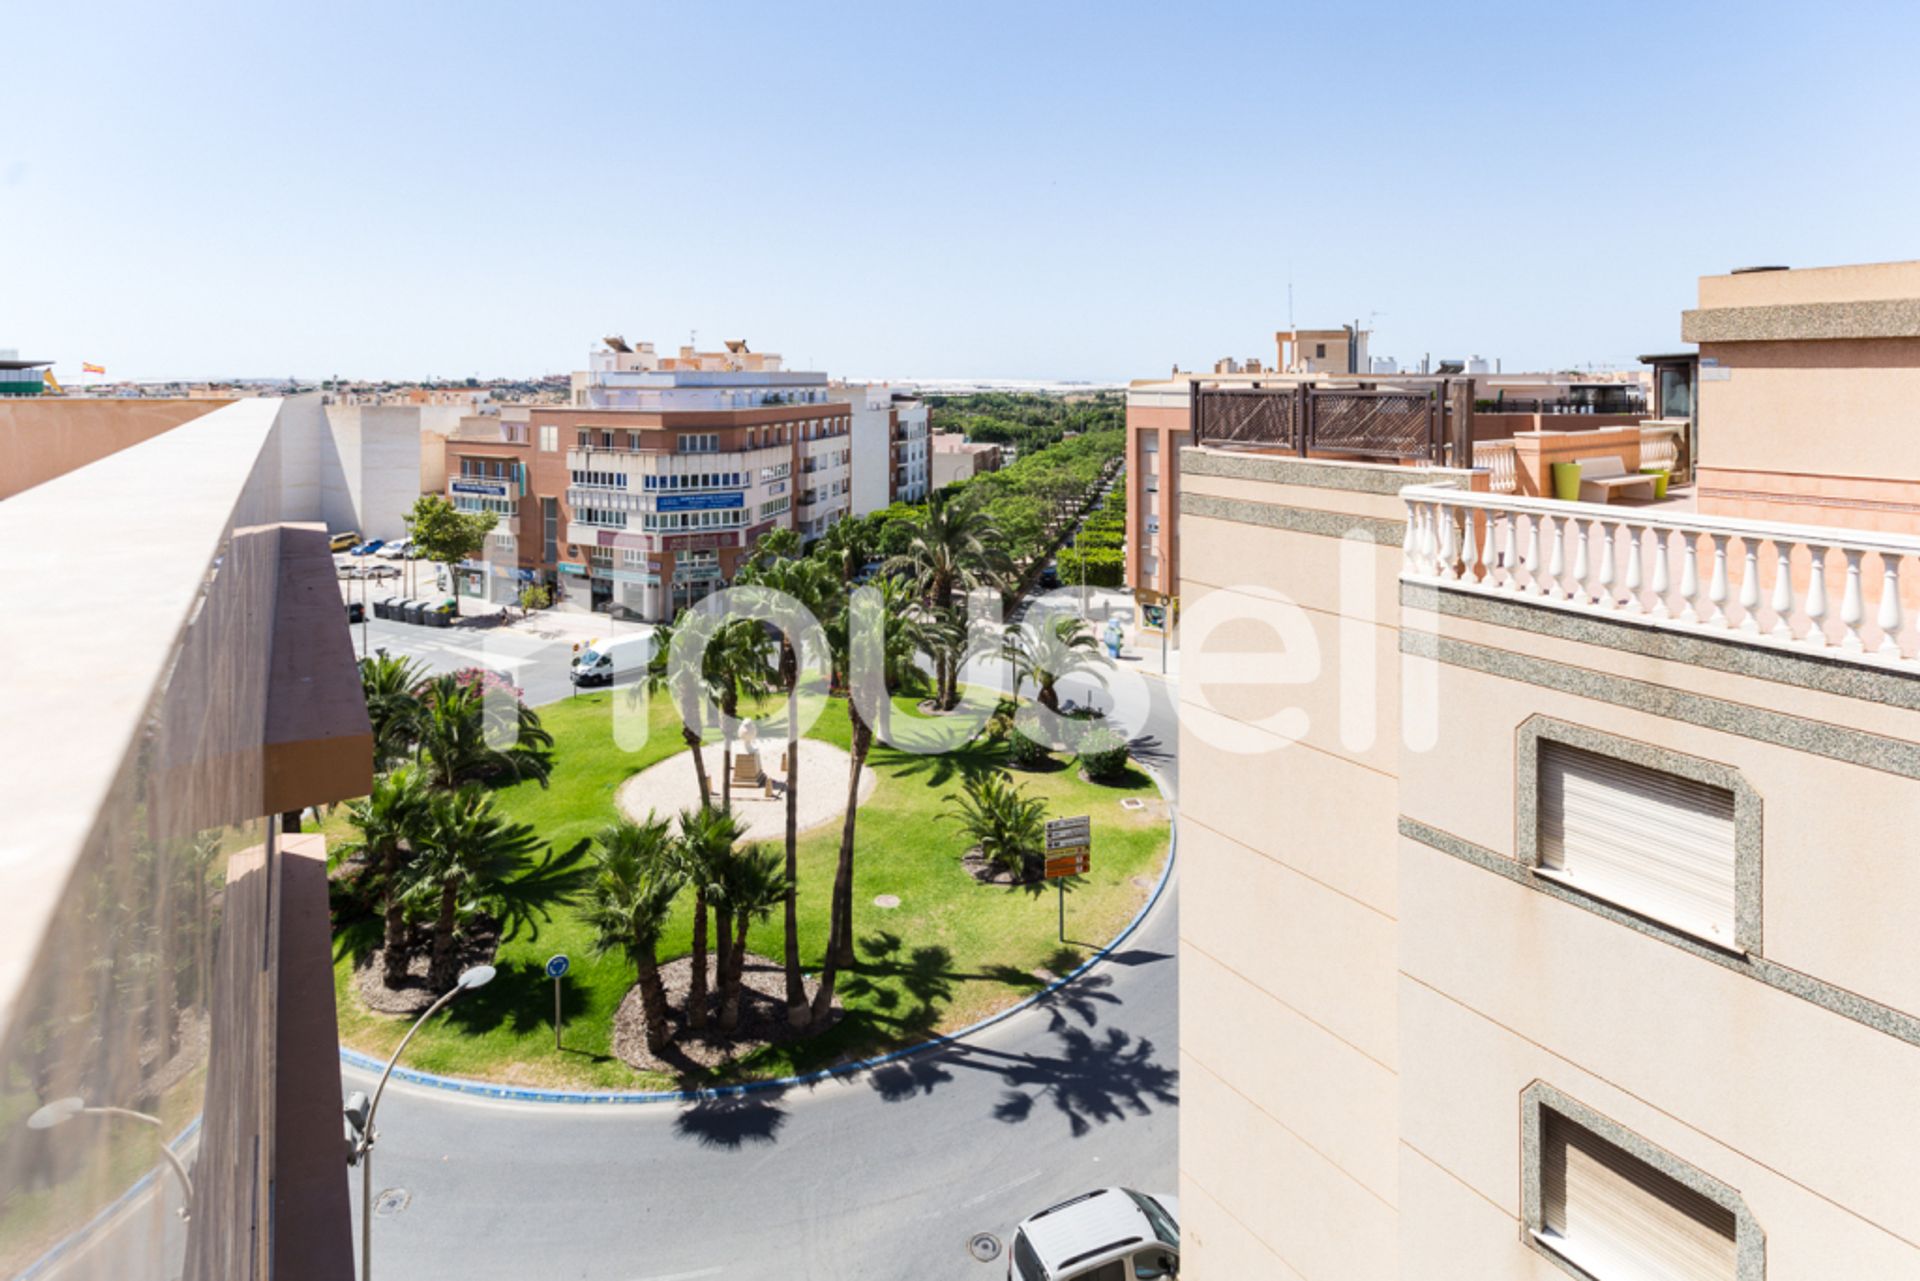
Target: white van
[1112,1234]
[598,662]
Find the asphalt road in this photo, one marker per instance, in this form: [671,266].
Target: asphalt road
[885,1175]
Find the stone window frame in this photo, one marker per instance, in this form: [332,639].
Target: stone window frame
[1749,1240]
[1748,820]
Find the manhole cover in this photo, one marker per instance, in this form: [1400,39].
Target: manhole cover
[390,1202]
[887,900]
[1133,803]
[984,1247]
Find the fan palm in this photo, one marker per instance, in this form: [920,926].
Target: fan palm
[1059,646]
[954,550]
[1008,826]
[628,901]
[707,838]
[809,583]
[468,848]
[847,546]
[753,885]
[684,688]
[458,731]
[389,684]
[391,822]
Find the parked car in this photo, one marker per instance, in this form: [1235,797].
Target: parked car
[343,540]
[1050,576]
[600,661]
[396,550]
[368,549]
[1110,1234]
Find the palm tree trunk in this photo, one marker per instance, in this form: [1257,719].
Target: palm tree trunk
[393,949]
[697,980]
[730,985]
[691,737]
[653,999]
[796,990]
[843,891]
[722,949]
[840,909]
[441,971]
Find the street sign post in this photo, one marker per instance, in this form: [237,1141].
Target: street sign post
[557,966]
[1069,853]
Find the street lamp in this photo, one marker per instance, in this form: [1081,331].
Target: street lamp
[60,1111]
[359,1112]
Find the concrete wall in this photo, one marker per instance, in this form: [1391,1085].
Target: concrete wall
[371,474]
[42,437]
[1372,975]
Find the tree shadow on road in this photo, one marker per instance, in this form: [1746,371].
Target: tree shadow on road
[732,1121]
[1092,1080]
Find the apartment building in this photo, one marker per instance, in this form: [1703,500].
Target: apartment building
[489,470]
[888,432]
[652,485]
[953,458]
[1322,351]
[166,966]
[1548,911]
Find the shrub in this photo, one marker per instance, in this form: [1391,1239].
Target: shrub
[1025,752]
[1103,753]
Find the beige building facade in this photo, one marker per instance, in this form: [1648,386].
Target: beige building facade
[1547,895]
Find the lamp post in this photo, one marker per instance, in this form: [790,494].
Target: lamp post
[360,1112]
[60,1111]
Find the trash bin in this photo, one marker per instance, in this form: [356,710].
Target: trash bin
[439,618]
[1660,476]
[410,611]
[1566,482]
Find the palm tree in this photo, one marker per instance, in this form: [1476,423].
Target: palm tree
[847,546]
[753,885]
[628,903]
[808,583]
[1060,646]
[457,730]
[684,689]
[391,823]
[468,848]
[736,664]
[1008,826]
[707,838]
[954,550]
[389,684]
[774,545]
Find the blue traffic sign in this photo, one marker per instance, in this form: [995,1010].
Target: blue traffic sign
[557,966]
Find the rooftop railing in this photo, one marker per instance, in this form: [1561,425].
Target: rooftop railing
[1842,593]
[1398,420]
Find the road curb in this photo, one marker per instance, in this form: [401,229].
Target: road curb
[517,1094]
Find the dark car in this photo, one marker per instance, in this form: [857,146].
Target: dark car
[1050,577]
[356,612]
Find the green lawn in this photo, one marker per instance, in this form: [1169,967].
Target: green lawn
[952,952]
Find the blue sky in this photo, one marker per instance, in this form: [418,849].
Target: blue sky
[1036,190]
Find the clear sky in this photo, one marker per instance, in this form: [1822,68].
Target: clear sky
[1032,190]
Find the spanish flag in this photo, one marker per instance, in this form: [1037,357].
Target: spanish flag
[86,368]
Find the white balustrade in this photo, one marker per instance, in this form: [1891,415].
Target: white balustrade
[1755,581]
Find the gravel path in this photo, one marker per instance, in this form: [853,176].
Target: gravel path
[669,787]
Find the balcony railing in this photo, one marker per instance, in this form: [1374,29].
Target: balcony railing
[1842,593]
[1408,420]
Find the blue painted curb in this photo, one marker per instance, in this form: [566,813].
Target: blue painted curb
[516,1094]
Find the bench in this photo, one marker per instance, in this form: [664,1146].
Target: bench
[1599,477]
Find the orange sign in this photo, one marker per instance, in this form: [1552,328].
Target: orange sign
[1069,863]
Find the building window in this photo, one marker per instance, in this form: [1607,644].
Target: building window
[596,516]
[550,529]
[1617,1208]
[699,442]
[549,440]
[1669,837]
[1320,351]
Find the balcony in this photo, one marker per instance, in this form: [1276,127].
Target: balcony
[1402,420]
[1842,594]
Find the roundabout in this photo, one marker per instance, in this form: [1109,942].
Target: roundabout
[671,786]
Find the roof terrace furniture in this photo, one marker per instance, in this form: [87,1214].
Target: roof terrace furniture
[1600,478]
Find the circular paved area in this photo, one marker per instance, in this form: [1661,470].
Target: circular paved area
[669,787]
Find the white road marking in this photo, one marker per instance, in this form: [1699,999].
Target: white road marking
[681,1276]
